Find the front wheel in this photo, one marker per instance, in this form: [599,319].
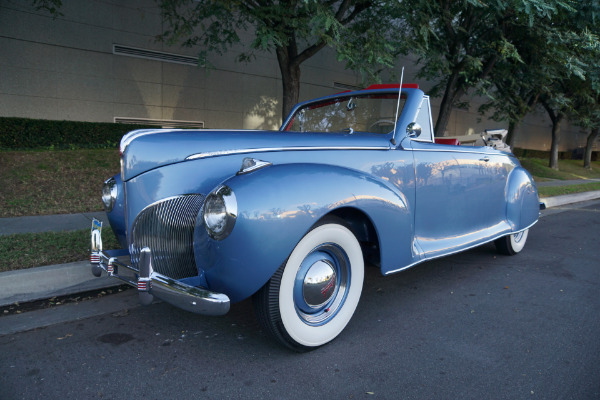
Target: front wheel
[313,295]
[512,244]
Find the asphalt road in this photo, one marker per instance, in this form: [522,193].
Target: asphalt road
[476,325]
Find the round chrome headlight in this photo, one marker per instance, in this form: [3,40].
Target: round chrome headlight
[220,212]
[109,194]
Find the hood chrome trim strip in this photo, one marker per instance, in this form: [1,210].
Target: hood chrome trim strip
[131,136]
[273,149]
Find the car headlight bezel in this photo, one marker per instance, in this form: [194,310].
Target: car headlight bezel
[220,212]
[109,194]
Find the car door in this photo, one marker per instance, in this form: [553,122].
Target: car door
[459,193]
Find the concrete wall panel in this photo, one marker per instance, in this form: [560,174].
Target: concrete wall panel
[136,69]
[85,110]
[137,92]
[28,82]
[27,55]
[222,119]
[82,87]
[26,106]
[183,75]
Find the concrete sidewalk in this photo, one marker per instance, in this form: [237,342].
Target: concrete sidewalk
[25,285]
[66,279]
[49,223]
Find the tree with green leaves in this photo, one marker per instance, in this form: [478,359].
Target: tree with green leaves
[362,32]
[588,117]
[587,107]
[553,71]
[514,86]
[51,6]
[576,51]
[459,43]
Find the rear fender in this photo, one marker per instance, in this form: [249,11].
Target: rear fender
[278,205]
[523,207]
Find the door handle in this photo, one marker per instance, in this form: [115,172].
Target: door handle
[485,159]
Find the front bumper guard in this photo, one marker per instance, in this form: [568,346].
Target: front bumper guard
[151,284]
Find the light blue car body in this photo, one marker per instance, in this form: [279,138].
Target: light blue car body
[407,199]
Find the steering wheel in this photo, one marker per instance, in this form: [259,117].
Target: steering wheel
[382,123]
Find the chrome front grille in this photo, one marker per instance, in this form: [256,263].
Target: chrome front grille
[167,228]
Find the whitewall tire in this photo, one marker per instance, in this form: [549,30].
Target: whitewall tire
[512,244]
[312,297]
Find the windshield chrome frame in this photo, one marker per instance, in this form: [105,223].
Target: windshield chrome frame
[407,115]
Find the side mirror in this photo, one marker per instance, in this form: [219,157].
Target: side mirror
[413,130]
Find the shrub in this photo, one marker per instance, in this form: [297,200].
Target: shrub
[25,133]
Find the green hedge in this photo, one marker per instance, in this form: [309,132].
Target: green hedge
[25,133]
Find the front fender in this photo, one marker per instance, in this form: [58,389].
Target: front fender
[278,205]
[523,207]
[116,217]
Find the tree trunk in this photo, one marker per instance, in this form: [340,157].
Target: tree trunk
[290,77]
[556,117]
[555,139]
[450,95]
[510,136]
[587,159]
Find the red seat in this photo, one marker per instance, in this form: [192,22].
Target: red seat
[454,142]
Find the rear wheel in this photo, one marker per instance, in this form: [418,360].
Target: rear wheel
[512,244]
[312,297]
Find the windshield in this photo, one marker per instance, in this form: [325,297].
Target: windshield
[374,113]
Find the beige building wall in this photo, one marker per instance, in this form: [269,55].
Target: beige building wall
[65,69]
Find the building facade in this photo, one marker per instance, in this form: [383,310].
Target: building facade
[100,62]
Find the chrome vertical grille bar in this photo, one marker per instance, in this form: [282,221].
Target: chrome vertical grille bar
[167,229]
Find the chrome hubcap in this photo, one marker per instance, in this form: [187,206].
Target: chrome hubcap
[517,237]
[322,283]
[319,283]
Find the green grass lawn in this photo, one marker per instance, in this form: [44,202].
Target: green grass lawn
[567,169]
[54,182]
[27,250]
[550,191]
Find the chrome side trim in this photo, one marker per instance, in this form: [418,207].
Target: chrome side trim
[452,150]
[456,251]
[273,149]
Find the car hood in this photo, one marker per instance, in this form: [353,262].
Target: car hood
[144,150]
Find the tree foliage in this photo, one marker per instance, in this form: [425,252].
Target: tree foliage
[587,100]
[460,43]
[51,6]
[556,71]
[362,33]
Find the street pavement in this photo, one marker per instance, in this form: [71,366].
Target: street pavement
[45,282]
[473,325]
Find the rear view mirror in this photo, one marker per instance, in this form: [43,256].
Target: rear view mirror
[413,130]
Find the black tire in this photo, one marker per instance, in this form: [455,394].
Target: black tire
[311,298]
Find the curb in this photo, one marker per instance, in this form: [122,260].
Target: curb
[40,283]
[557,201]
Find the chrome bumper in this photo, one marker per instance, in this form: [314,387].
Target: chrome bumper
[151,284]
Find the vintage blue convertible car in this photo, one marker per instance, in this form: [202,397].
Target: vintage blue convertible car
[209,217]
